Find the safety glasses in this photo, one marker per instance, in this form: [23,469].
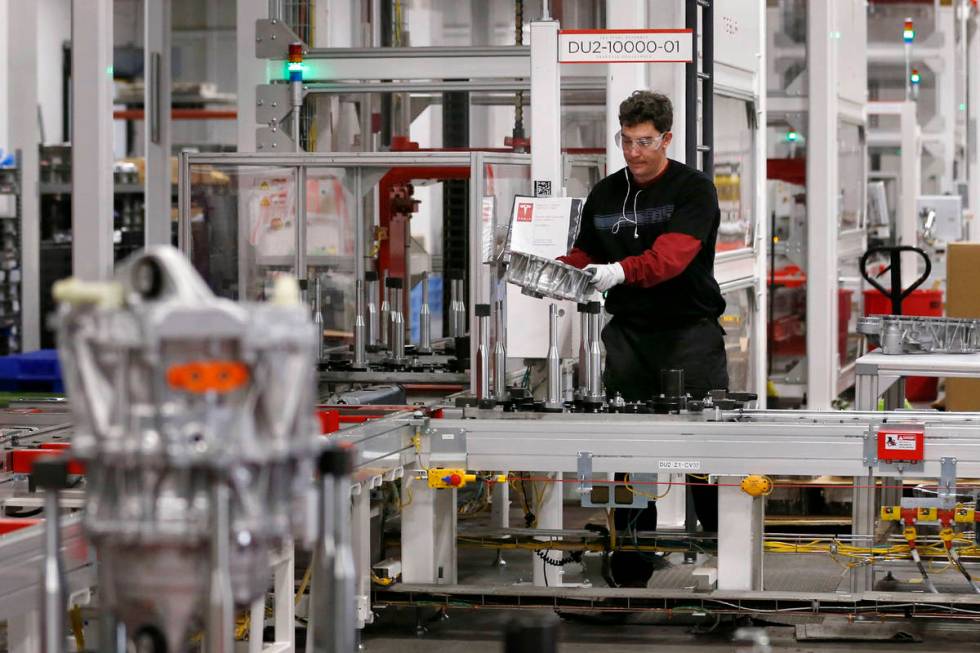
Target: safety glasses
[645,143]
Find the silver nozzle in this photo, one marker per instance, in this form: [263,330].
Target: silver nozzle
[500,355]
[397,321]
[372,310]
[425,318]
[483,351]
[360,326]
[318,318]
[385,315]
[554,361]
[595,354]
[457,309]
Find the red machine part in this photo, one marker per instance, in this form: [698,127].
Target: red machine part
[331,417]
[9,525]
[901,443]
[395,190]
[21,461]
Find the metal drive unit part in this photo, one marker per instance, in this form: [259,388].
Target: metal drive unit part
[542,277]
[898,334]
[194,419]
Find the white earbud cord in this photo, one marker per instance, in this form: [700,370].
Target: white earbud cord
[623,218]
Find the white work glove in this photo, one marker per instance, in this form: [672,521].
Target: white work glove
[605,277]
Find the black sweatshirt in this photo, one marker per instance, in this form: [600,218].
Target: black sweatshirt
[621,219]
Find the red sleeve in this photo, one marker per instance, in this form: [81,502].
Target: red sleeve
[670,255]
[576,258]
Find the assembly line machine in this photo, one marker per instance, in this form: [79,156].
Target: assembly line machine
[196,471]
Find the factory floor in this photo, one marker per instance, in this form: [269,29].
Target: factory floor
[476,630]
[481,630]
[483,633]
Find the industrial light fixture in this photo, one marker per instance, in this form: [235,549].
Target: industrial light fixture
[294,64]
[908,33]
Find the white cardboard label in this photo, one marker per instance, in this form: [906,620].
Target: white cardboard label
[679,465]
[900,441]
[625,46]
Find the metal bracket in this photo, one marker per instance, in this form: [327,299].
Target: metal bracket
[273,139]
[446,446]
[947,482]
[870,458]
[584,472]
[592,497]
[272,39]
[272,103]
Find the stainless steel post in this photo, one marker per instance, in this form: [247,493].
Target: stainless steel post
[397,320]
[483,352]
[453,302]
[461,311]
[595,354]
[322,582]
[554,361]
[360,327]
[52,476]
[344,619]
[221,603]
[457,307]
[499,355]
[371,284]
[318,319]
[385,312]
[425,318]
[332,599]
[583,351]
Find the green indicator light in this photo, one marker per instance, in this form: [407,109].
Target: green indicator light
[108,71]
[294,66]
[792,136]
[962,106]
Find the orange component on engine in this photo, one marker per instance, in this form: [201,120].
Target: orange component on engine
[200,377]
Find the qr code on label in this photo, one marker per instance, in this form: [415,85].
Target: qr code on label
[542,188]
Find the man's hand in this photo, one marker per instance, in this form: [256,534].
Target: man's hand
[605,277]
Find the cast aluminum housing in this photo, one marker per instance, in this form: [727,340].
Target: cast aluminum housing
[154,449]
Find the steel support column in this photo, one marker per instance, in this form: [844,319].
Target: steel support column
[429,541]
[621,79]
[156,100]
[911,187]
[762,235]
[92,158]
[24,136]
[361,544]
[545,108]
[822,192]
[973,118]
[740,537]
[549,516]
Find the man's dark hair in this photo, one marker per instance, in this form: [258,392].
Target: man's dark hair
[647,106]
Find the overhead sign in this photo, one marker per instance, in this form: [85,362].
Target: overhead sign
[625,46]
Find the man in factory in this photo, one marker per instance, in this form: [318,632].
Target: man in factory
[648,236]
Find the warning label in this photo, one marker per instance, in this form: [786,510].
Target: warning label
[901,441]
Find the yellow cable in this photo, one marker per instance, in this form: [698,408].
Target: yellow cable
[77,627]
[644,494]
[307,575]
